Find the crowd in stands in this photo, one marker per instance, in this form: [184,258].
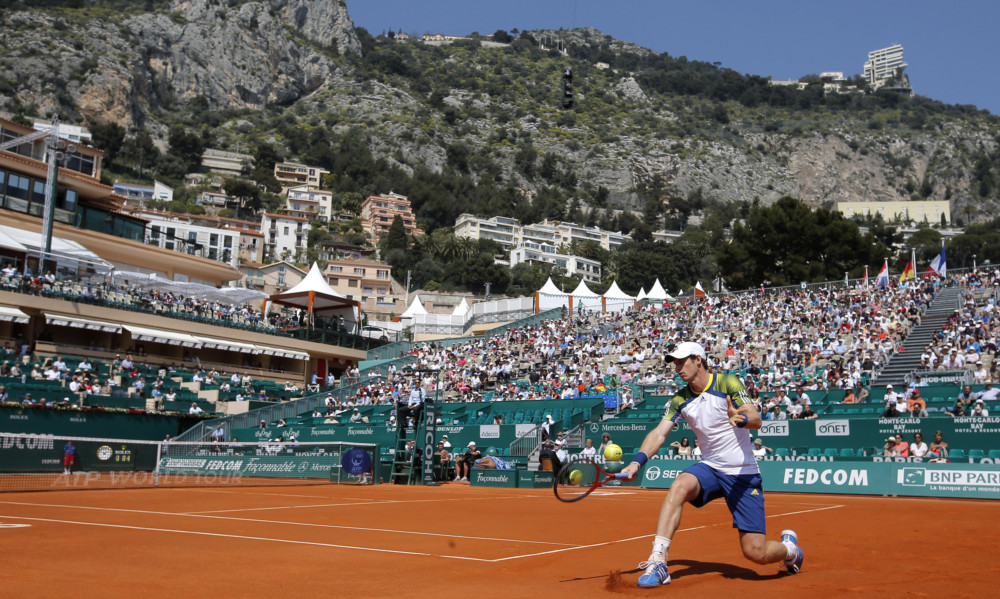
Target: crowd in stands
[148,299]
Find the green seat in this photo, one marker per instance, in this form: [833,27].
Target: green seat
[847,452]
[956,453]
[993,453]
[830,452]
[976,454]
[781,451]
[815,451]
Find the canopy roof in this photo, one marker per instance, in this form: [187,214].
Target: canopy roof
[462,308]
[583,291]
[314,295]
[615,292]
[416,308]
[658,292]
[549,288]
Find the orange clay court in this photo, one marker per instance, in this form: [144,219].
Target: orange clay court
[474,543]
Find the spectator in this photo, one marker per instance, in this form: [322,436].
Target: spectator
[683,446]
[588,451]
[464,464]
[916,406]
[988,393]
[549,453]
[979,410]
[889,450]
[918,448]
[759,449]
[195,408]
[902,447]
[939,447]
[445,458]
[892,401]
[605,441]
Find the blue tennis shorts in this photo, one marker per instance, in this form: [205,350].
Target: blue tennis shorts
[743,494]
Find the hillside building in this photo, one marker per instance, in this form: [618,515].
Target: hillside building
[295,174]
[378,212]
[285,236]
[510,234]
[929,211]
[882,65]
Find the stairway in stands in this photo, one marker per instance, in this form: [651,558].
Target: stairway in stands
[945,303]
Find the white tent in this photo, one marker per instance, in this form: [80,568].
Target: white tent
[583,296]
[641,295]
[658,292]
[461,309]
[314,295]
[550,297]
[616,300]
[416,308]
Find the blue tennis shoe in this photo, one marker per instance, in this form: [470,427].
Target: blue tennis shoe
[656,575]
[794,563]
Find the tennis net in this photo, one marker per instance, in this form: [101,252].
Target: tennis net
[41,463]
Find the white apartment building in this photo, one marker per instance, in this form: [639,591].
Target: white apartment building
[534,253]
[284,233]
[882,64]
[509,233]
[299,174]
[310,202]
[177,233]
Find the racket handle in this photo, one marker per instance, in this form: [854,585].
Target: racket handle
[621,476]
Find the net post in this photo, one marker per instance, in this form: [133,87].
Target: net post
[156,467]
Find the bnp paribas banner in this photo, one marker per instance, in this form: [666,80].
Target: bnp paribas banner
[981,481]
[317,466]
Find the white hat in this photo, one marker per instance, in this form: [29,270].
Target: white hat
[472,443]
[688,348]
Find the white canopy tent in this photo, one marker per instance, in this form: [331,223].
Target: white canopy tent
[414,309]
[550,297]
[582,296]
[641,295]
[314,295]
[461,309]
[658,293]
[616,300]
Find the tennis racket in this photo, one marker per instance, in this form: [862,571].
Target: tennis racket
[580,478]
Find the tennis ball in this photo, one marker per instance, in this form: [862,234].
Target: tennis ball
[613,453]
[575,477]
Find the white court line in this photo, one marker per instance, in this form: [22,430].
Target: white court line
[331,545]
[503,559]
[359,502]
[305,524]
[248,538]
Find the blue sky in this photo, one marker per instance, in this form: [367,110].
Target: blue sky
[952,47]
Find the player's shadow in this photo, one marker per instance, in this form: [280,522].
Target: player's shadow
[679,568]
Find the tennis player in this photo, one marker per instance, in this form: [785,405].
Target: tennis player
[720,412]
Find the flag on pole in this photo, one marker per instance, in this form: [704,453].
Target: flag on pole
[864,283]
[882,280]
[907,272]
[698,291]
[939,264]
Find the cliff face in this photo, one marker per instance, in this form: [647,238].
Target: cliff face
[142,70]
[244,56]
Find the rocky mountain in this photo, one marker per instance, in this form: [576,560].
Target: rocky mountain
[283,68]
[125,68]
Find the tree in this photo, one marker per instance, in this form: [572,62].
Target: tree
[787,243]
[246,193]
[396,238]
[186,145]
[108,137]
